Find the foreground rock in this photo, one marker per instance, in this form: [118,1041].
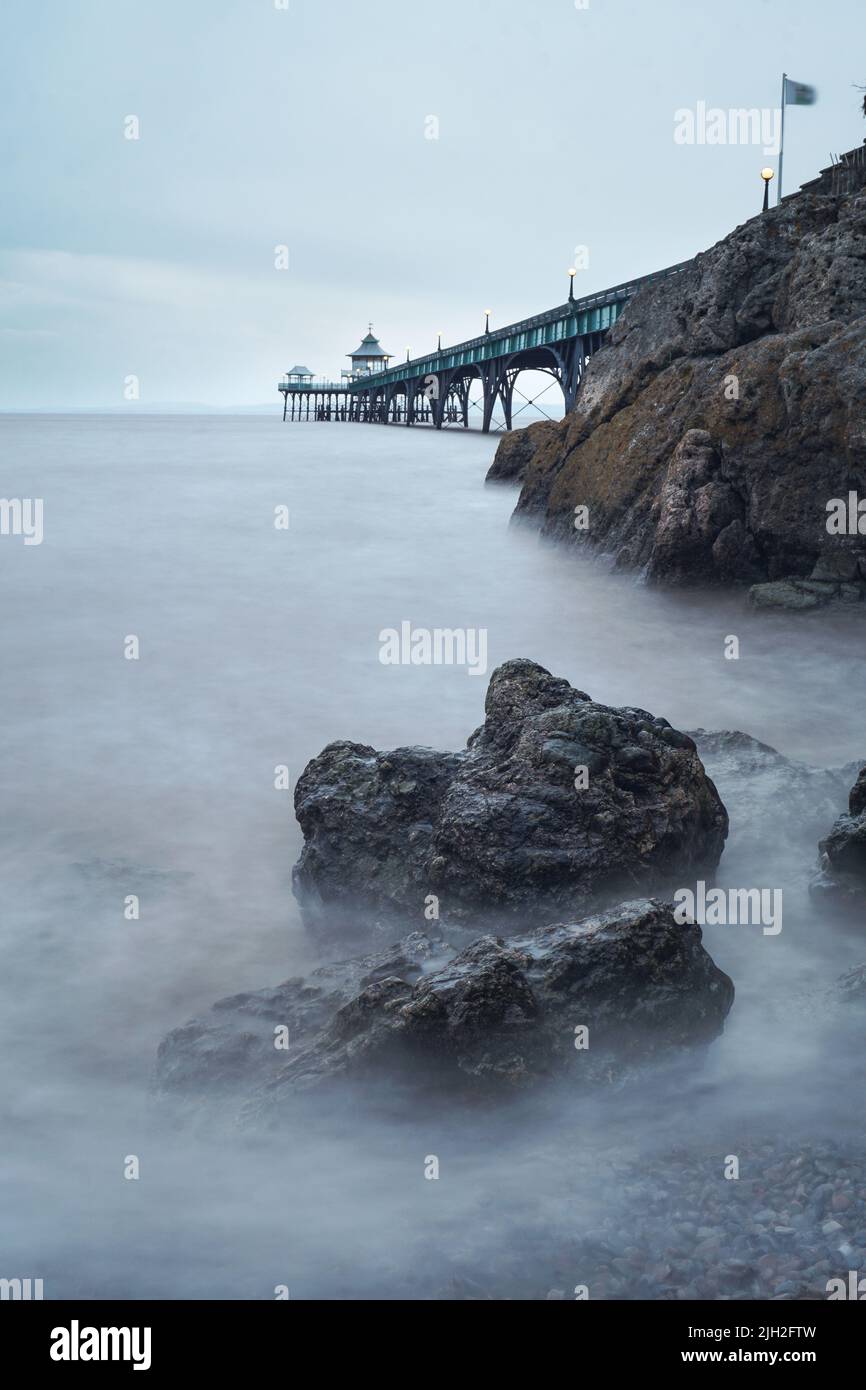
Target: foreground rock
[725,412]
[234,1045]
[492,1019]
[516,451]
[500,832]
[842,877]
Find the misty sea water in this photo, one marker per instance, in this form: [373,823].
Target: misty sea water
[155,777]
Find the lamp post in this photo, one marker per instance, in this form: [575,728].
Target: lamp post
[486,320]
[439,344]
[571,275]
[408,350]
[767,175]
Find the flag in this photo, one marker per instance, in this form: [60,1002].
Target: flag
[799,93]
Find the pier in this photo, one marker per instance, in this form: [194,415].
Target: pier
[435,389]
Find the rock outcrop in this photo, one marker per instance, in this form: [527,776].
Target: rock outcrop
[516,450]
[758,779]
[725,412]
[558,804]
[804,595]
[235,1045]
[494,1018]
[842,876]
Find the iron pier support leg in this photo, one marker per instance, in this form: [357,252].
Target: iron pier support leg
[506,391]
[490,382]
[489,402]
[572,373]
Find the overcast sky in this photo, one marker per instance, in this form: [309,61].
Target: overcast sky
[307,127]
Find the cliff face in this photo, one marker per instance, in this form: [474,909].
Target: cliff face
[725,411]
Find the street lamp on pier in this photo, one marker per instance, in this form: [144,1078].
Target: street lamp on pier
[439,345]
[766,175]
[571,274]
[486,320]
[408,350]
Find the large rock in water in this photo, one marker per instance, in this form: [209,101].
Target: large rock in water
[500,832]
[496,1017]
[233,1046]
[516,450]
[842,876]
[725,411]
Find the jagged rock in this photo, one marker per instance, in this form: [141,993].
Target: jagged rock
[842,875]
[501,1015]
[725,410]
[500,831]
[496,1017]
[516,449]
[234,1044]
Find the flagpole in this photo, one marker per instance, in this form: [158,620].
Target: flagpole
[782,140]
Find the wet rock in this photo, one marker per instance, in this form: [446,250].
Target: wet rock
[233,1045]
[838,567]
[492,1019]
[500,832]
[841,879]
[805,595]
[790,594]
[502,1015]
[515,451]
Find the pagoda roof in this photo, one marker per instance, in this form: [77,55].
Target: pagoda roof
[370,347]
[299,371]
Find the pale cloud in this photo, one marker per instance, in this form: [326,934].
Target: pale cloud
[262,127]
[64,278]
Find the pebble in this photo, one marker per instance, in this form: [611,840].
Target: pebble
[678,1233]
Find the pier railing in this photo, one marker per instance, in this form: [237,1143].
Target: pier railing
[317,384]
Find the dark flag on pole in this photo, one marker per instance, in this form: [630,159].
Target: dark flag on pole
[793,94]
[799,93]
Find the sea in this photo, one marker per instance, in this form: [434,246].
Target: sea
[203,613]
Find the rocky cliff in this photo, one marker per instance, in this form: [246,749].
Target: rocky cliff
[725,411]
